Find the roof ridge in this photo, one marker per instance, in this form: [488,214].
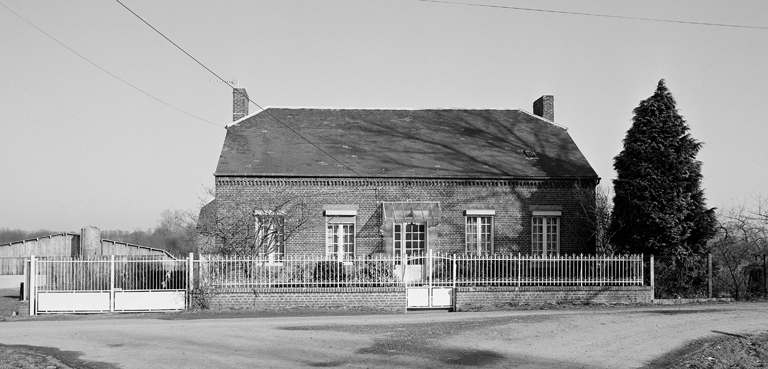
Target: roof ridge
[544,119]
[382,108]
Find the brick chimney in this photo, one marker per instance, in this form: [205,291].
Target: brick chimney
[545,107]
[239,104]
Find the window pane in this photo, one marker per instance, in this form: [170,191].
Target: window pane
[471,234]
[537,235]
[329,239]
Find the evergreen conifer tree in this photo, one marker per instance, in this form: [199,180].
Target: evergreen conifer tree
[659,206]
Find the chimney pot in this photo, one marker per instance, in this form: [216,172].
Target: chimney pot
[239,104]
[545,107]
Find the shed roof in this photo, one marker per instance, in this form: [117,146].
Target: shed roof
[448,143]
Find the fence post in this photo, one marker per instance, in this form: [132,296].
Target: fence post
[455,293]
[112,283]
[190,277]
[709,275]
[454,273]
[653,286]
[32,286]
[429,270]
[25,293]
[404,264]
[404,261]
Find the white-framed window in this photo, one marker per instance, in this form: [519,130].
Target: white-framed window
[545,232]
[340,228]
[270,236]
[479,231]
[409,238]
[340,240]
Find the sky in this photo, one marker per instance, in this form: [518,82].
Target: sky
[137,128]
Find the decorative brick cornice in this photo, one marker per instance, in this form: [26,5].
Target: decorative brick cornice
[223,181]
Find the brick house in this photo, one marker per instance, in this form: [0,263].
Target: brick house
[406,181]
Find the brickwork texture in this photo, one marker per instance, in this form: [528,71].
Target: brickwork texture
[394,298]
[511,201]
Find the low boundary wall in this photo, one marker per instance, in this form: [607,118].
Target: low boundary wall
[488,297]
[379,298]
[394,298]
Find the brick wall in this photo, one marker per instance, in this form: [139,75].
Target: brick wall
[510,199]
[386,298]
[488,297]
[393,298]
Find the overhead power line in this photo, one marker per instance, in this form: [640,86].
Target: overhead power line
[595,15]
[233,87]
[106,71]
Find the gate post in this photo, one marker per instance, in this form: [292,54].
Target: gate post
[25,290]
[455,292]
[404,261]
[190,278]
[32,285]
[111,283]
[429,270]
[404,264]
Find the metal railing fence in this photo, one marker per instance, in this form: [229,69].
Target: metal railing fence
[110,273]
[296,271]
[553,270]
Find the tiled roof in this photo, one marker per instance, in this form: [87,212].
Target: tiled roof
[400,144]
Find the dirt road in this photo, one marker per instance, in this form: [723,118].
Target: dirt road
[581,338]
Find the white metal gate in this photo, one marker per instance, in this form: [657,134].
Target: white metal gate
[429,281]
[67,285]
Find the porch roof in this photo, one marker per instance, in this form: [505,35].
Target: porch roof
[410,212]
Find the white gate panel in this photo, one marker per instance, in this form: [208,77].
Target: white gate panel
[417,297]
[441,297]
[84,302]
[147,301]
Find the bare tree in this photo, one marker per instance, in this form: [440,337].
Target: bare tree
[232,225]
[595,207]
[738,247]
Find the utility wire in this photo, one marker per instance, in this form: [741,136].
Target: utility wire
[106,71]
[233,88]
[595,15]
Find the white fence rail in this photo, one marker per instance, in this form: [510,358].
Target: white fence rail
[439,269]
[106,273]
[296,271]
[562,270]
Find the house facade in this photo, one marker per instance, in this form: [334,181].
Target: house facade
[352,183]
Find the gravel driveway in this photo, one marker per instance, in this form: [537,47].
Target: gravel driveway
[579,338]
